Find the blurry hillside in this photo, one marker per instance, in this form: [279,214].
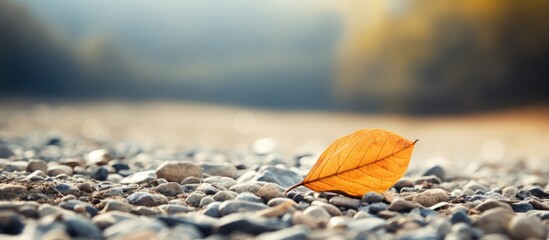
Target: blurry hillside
[385,56]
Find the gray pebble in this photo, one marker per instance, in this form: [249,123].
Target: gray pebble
[79,227]
[494,220]
[297,232]
[280,176]
[169,189]
[223,169]
[16,166]
[142,199]
[139,177]
[510,192]
[67,188]
[345,202]
[59,169]
[318,213]
[436,171]
[269,191]
[226,182]
[431,197]
[372,197]
[11,191]
[222,196]
[249,224]
[247,196]
[206,201]
[194,199]
[99,157]
[234,206]
[116,205]
[212,210]
[401,205]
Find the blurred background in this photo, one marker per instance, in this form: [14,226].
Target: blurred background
[291,70]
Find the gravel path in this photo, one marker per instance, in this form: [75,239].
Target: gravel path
[66,187]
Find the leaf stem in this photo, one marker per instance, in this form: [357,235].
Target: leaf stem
[293,186]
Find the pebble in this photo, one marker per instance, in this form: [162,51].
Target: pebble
[5,152]
[402,183]
[537,192]
[280,176]
[139,177]
[345,202]
[142,228]
[269,191]
[366,224]
[108,219]
[99,157]
[247,196]
[235,206]
[176,171]
[509,192]
[16,166]
[116,205]
[401,205]
[472,185]
[142,199]
[172,209]
[431,197]
[375,208]
[212,210]
[293,233]
[494,220]
[436,171]
[460,217]
[59,169]
[36,176]
[79,227]
[489,204]
[318,213]
[67,188]
[522,207]
[101,174]
[525,227]
[37,164]
[223,169]
[224,195]
[169,189]
[11,223]
[249,224]
[194,199]
[427,179]
[331,209]
[372,197]
[11,191]
[226,182]
[206,201]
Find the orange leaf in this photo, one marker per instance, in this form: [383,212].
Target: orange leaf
[363,161]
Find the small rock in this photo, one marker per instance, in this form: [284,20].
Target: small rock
[36,176]
[139,177]
[59,169]
[427,179]
[142,199]
[194,199]
[522,207]
[226,182]
[223,169]
[5,152]
[16,166]
[234,206]
[87,187]
[510,192]
[494,220]
[525,227]
[247,196]
[222,196]
[295,232]
[318,213]
[345,202]
[460,217]
[37,164]
[401,205]
[431,197]
[537,192]
[79,227]
[108,219]
[372,197]
[472,185]
[115,205]
[191,180]
[11,191]
[489,204]
[375,208]
[366,224]
[99,157]
[100,174]
[403,183]
[249,224]
[172,209]
[280,176]
[169,189]
[206,201]
[212,210]
[10,223]
[119,166]
[176,171]
[141,228]
[269,191]
[331,209]
[436,171]
[67,188]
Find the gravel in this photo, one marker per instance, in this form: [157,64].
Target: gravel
[103,190]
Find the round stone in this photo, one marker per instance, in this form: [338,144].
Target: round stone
[176,171]
[169,189]
[527,227]
[37,164]
[431,197]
